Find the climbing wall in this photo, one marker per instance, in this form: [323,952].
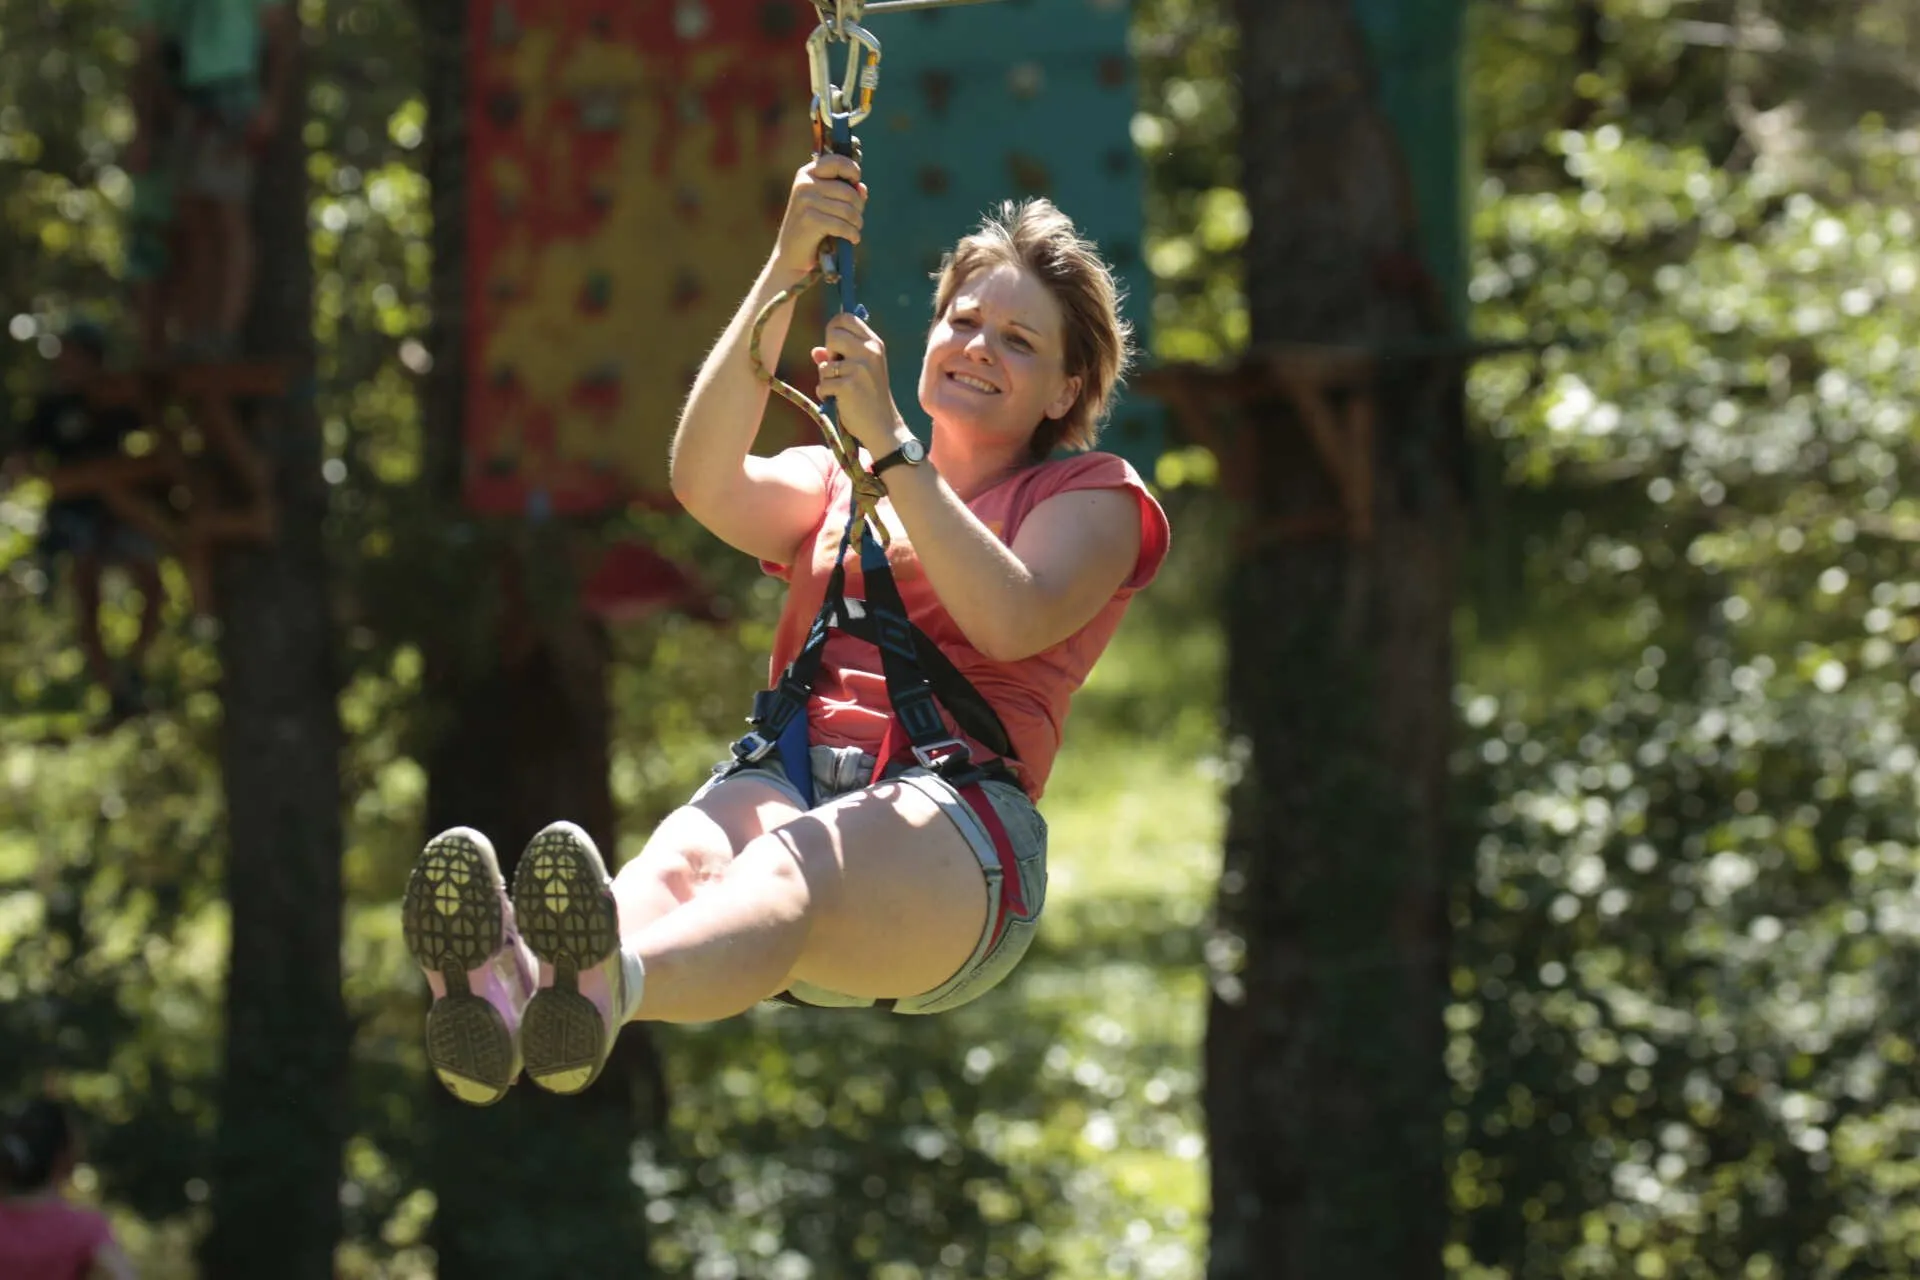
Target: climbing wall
[1416,52]
[982,103]
[628,162]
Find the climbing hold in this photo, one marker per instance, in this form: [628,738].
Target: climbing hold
[937,88]
[503,107]
[933,180]
[597,292]
[599,110]
[1029,174]
[686,290]
[691,19]
[776,19]
[1025,80]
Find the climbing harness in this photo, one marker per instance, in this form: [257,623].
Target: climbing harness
[920,678]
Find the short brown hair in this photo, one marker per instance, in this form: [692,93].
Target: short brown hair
[1097,342]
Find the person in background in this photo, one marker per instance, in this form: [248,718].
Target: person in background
[152,269]
[234,59]
[67,429]
[43,1235]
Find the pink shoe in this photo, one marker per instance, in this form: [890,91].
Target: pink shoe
[458,923]
[563,898]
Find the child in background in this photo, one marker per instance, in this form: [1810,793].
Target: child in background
[43,1235]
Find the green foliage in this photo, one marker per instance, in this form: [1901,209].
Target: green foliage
[1196,216]
[1686,961]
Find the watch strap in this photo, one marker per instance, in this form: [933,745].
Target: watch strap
[897,458]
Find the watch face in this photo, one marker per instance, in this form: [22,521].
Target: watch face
[913,451]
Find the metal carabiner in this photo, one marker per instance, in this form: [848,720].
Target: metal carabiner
[839,14]
[853,96]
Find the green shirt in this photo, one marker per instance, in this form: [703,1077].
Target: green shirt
[219,39]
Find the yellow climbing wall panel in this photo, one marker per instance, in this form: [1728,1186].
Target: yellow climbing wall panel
[627,166]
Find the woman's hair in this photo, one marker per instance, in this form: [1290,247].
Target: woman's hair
[33,1142]
[1036,237]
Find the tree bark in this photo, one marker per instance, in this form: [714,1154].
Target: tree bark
[1325,1090]
[276,1159]
[536,1187]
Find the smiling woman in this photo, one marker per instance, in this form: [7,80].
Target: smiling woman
[875,840]
[1040,298]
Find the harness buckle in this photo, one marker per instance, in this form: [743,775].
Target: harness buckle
[753,748]
[946,754]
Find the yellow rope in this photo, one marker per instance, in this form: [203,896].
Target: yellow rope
[867,490]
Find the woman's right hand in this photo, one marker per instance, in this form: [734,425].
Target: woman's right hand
[828,200]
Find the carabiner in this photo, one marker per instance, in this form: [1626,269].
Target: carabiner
[853,96]
[839,14]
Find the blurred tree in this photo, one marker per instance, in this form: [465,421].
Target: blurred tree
[1325,1093]
[1681,1036]
[516,735]
[276,1159]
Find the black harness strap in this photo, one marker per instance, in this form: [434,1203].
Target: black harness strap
[920,680]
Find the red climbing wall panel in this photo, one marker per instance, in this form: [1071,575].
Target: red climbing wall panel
[628,162]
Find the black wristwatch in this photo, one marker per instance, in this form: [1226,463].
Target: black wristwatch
[911,454]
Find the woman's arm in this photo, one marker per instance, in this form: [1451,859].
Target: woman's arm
[762,506]
[1072,553]
[1070,556]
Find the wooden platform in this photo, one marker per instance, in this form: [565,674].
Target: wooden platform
[189,499]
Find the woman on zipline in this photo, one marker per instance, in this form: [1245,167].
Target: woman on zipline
[893,883]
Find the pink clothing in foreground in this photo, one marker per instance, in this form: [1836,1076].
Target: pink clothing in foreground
[49,1239]
[1031,696]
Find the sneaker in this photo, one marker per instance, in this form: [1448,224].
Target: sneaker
[564,900]
[459,926]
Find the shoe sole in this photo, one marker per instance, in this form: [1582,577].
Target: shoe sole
[450,918]
[564,904]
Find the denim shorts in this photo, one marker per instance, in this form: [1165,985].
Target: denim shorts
[839,771]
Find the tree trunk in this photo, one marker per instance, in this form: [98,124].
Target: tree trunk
[276,1157]
[1326,1091]
[537,1186]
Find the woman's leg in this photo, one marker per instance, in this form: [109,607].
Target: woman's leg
[876,895]
[577,922]
[461,930]
[691,849]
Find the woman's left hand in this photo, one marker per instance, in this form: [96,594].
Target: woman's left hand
[853,370]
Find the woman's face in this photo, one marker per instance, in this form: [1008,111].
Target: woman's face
[994,367]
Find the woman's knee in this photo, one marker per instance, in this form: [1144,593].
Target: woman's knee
[686,851]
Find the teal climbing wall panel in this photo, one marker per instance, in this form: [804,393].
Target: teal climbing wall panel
[1417,52]
[983,103]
